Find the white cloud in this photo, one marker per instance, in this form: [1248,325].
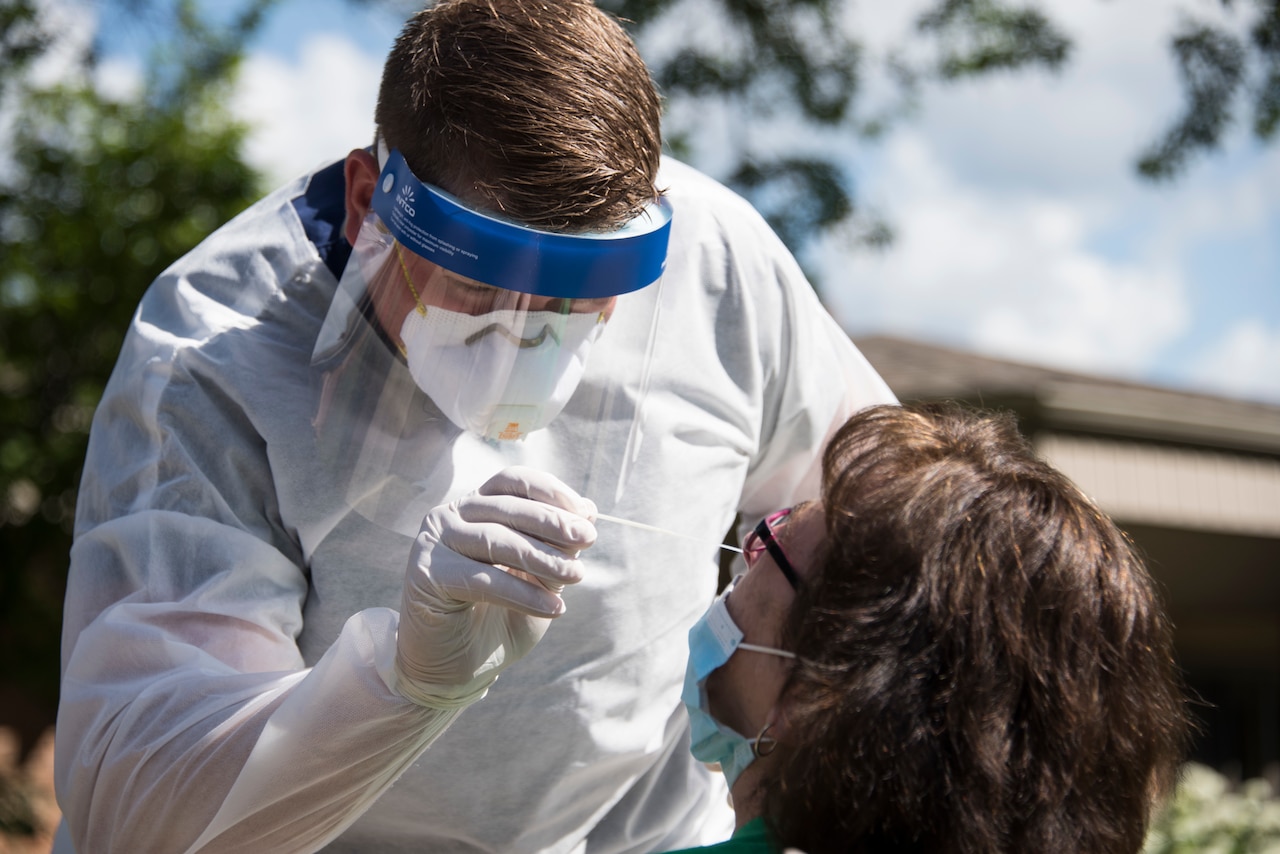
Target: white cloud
[1244,363]
[1024,232]
[308,113]
[1069,132]
[118,78]
[1232,193]
[72,25]
[1009,274]
[1087,315]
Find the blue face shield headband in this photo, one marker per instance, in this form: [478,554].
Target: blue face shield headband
[504,254]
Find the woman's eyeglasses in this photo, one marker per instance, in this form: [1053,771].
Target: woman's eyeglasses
[762,539]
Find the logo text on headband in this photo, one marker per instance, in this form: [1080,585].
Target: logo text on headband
[404,200]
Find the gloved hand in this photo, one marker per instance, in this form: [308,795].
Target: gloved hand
[484,582]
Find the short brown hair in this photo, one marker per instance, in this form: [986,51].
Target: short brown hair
[541,110]
[987,666]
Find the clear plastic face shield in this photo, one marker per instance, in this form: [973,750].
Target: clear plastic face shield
[458,343]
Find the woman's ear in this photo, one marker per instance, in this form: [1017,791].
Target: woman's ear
[361,174]
[778,721]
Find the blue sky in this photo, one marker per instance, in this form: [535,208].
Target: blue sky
[1022,229]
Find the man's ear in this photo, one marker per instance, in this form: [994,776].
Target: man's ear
[361,174]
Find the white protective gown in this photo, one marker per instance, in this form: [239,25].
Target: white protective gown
[230,623]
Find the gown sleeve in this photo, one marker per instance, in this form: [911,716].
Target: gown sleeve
[188,718]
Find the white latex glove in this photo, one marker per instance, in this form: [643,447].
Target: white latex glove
[484,582]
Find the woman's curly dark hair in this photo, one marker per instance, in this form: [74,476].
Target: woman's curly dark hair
[986,663]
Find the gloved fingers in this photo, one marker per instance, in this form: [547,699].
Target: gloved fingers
[469,582]
[540,486]
[493,542]
[564,529]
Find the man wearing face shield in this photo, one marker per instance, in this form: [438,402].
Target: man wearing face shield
[347,467]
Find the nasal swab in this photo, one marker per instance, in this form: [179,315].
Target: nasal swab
[657,530]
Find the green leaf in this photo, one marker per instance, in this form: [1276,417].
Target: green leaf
[1211,63]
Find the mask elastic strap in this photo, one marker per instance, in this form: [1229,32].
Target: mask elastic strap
[781,653]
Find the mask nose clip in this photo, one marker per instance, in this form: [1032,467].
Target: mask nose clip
[522,343]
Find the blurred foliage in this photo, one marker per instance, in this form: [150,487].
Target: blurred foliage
[794,69]
[1208,816]
[797,64]
[978,36]
[22,39]
[1219,69]
[97,197]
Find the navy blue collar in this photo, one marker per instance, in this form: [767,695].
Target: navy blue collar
[322,208]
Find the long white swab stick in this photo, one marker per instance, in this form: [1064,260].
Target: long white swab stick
[645,527]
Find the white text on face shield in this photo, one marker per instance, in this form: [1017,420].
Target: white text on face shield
[404,200]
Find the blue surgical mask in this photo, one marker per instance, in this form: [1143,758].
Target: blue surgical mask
[712,641]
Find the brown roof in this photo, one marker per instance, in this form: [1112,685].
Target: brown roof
[1066,400]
